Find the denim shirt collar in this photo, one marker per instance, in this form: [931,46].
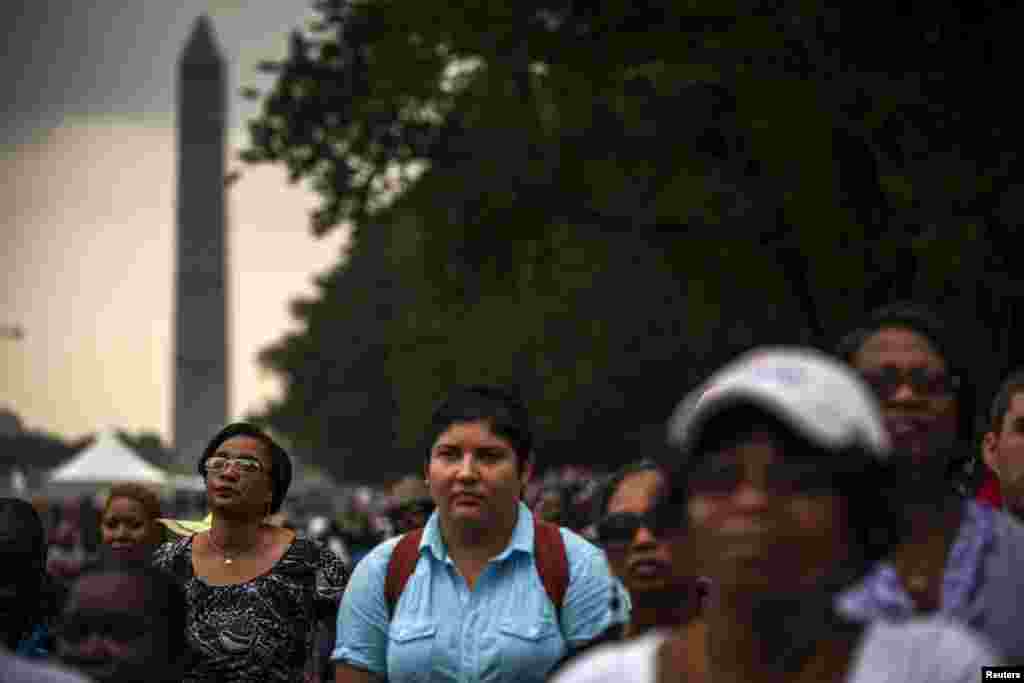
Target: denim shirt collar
[521,541]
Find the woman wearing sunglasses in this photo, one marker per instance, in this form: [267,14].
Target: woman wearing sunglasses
[255,592]
[410,505]
[781,475]
[962,559]
[650,560]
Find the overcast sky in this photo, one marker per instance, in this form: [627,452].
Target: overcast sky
[87,157]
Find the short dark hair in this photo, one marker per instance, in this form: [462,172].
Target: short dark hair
[281,464]
[925,322]
[1011,386]
[165,597]
[501,408]
[611,485]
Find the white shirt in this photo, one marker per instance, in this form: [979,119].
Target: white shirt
[931,649]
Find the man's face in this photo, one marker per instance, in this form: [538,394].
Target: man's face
[1004,454]
[107,632]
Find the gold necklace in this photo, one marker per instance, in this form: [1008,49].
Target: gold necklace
[223,551]
[918,583]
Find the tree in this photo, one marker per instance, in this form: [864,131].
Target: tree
[588,198]
[150,447]
[339,401]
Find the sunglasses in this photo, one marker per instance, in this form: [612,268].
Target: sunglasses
[783,478]
[423,507]
[618,529]
[245,465]
[885,382]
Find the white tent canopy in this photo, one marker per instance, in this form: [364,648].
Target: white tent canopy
[108,461]
[188,482]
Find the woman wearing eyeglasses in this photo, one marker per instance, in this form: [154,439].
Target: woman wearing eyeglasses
[780,474]
[650,560]
[255,591]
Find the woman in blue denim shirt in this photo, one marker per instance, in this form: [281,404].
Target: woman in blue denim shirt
[475,607]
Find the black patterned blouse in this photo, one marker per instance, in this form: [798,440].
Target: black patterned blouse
[261,630]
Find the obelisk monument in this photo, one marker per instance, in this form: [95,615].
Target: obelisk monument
[201,312]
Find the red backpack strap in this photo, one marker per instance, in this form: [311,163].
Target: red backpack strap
[401,565]
[552,562]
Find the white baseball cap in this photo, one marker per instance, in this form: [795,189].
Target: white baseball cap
[817,396]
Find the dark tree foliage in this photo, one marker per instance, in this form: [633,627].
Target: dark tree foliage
[602,201]
[34,450]
[151,448]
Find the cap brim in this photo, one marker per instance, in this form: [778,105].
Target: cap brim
[688,425]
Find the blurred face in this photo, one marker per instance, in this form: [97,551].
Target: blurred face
[1004,454]
[241,484]
[107,634]
[549,507]
[763,521]
[648,565]
[915,390]
[125,523]
[412,515]
[475,477]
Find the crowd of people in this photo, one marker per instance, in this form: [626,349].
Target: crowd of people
[815,516]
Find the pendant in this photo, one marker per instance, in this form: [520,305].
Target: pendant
[228,560]
[917,582]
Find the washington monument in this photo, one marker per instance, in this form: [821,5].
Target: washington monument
[201,315]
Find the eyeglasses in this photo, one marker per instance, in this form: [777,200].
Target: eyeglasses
[618,529]
[246,465]
[783,478]
[885,382]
